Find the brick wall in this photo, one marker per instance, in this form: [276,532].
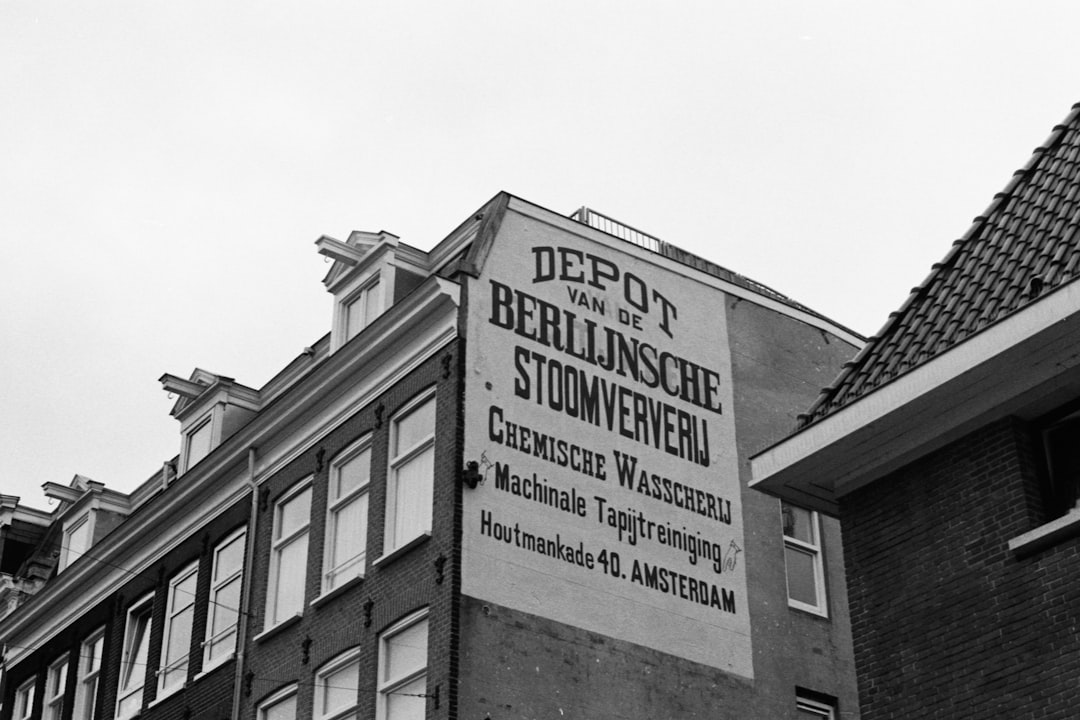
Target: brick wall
[356,616]
[947,622]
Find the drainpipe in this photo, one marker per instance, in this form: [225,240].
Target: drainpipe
[245,589]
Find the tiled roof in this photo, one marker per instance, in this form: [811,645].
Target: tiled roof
[1024,246]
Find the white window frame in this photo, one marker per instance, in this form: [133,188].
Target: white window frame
[278,544]
[54,702]
[280,696]
[823,710]
[816,551]
[87,688]
[143,605]
[391,541]
[360,300]
[344,660]
[176,604]
[24,700]
[335,571]
[386,687]
[210,660]
[207,421]
[70,528]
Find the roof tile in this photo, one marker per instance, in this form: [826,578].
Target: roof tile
[1024,245]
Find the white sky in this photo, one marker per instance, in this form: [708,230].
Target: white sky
[166,166]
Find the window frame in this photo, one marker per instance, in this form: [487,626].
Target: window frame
[211,661]
[278,544]
[277,697]
[206,421]
[86,700]
[391,542]
[85,520]
[334,665]
[171,613]
[825,711]
[24,698]
[369,289]
[53,706]
[387,687]
[816,551]
[143,606]
[333,570]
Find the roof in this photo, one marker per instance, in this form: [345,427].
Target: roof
[1023,247]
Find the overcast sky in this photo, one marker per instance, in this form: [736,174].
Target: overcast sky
[165,167]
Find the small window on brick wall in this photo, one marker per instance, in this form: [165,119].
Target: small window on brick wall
[1061,453]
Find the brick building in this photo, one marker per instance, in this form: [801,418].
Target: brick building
[510,482]
[947,449]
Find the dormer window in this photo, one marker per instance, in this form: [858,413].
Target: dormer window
[76,541]
[362,308]
[198,442]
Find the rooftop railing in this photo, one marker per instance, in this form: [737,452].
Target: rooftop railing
[611,226]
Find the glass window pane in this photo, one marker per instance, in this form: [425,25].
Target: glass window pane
[284,709]
[414,427]
[372,303]
[405,652]
[225,606]
[352,474]
[402,702]
[798,523]
[229,558]
[802,584]
[340,688]
[349,541]
[199,443]
[412,497]
[292,565]
[294,513]
[77,541]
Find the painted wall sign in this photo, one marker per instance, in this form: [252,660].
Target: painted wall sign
[599,408]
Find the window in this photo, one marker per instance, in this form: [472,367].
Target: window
[1062,455]
[76,540]
[89,670]
[346,515]
[24,701]
[412,464]
[362,308]
[133,661]
[179,614]
[279,706]
[288,561]
[198,443]
[802,557]
[224,609]
[337,688]
[403,670]
[55,683]
[807,709]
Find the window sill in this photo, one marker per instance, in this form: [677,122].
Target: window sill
[399,551]
[164,695]
[270,632]
[331,594]
[819,613]
[1046,535]
[207,669]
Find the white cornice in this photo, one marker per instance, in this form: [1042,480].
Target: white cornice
[406,335]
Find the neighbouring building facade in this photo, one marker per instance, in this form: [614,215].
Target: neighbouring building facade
[948,447]
[511,482]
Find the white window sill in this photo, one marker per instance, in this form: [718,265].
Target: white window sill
[207,669]
[399,551]
[165,694]
[270,632]
[331,594]
[1046,535]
